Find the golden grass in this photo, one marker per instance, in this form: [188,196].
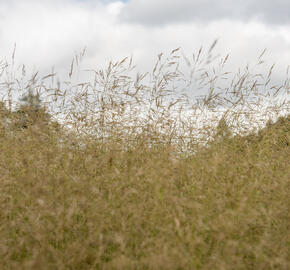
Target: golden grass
[108,194]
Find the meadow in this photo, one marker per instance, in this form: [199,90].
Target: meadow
[132,171]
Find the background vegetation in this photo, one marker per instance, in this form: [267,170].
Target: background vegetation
[134,171]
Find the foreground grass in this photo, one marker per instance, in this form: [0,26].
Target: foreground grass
[103,207]
[127,171]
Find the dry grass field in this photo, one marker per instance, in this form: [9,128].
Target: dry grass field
[113,186]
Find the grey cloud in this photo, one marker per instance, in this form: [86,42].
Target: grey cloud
[48,32]
[158,12]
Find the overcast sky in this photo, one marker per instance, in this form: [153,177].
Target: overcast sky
[48,32]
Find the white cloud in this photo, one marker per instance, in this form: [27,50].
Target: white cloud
[49,32]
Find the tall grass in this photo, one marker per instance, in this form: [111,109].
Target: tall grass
[134,171]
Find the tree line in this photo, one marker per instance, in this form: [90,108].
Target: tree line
[30,112]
